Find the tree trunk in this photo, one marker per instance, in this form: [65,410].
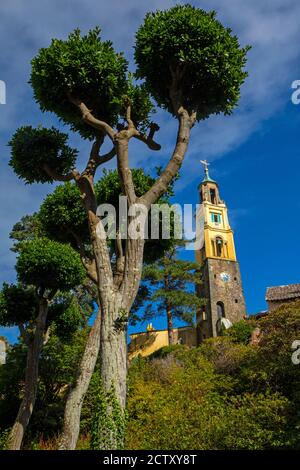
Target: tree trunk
[113,366]
[77,393]
[31,380]
[170,324]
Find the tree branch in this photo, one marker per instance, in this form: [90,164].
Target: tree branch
[120,261]
[161,184]
[148,140]
[121,143]
[47,336]
[128,118]
[90,266]
[175,90]
[100,159]
[88,117]
[57,177]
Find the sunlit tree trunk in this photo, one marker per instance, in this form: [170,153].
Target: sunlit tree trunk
[78,391]
[31,380]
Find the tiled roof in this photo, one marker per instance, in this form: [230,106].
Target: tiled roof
[291,291]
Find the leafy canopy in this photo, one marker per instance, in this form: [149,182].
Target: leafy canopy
[34,148]
[62,215]
[47,264]
[18,305]
[203,56]
[27,228]
[65,316]
[89,69]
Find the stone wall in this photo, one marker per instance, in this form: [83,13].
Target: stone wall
[222,283]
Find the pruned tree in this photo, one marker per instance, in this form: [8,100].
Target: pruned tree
[63,218]
[44,267]
[193,67]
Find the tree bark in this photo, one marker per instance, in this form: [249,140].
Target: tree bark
[77,393]
[31,380]
[170,324]
[113,351]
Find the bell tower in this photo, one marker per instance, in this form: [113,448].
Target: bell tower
[215,251]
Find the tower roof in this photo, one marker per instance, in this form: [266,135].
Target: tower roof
[207,178]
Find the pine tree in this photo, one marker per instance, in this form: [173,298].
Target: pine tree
[168,288]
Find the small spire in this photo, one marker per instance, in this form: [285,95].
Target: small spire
[205,166]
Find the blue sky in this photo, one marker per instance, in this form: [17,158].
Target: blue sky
[254,154]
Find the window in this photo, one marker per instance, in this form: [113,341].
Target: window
[216,218]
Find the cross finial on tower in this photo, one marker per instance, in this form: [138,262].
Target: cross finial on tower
[205,166]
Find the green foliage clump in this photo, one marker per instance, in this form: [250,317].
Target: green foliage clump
[108,421]
[32,149]
[28,228]
[279,329]
[180,402]
[205,58]
[226,394]
[4,439]
[241,331]
[86,68]
[17,305]
[57,366]
[63,216]
[65,317]
[47,264]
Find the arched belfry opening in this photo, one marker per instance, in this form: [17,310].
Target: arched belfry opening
[219,247]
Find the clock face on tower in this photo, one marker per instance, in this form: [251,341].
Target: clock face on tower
[225,277]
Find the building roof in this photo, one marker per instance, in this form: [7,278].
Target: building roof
[291,291]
